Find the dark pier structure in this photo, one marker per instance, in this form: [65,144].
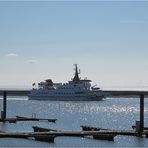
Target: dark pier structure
[139,94]
[50,135]
[6,93]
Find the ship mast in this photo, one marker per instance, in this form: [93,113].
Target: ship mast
[76,77]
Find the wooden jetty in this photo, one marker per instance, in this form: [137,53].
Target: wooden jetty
[49,136]
[110,131]
[35,119]
[70,133]
[20,118]
[53,134]
[109,137]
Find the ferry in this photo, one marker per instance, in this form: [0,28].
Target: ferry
[76,89]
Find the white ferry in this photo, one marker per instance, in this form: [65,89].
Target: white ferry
[75,90]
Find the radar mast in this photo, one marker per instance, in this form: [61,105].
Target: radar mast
[76,77]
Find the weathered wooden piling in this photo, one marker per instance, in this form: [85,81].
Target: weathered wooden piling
[141,113]
[4,105]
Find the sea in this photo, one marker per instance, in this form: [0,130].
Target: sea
[115,113]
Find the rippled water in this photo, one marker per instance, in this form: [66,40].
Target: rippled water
[116,113]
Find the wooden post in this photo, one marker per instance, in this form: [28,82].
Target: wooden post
[4,104]
[141,113]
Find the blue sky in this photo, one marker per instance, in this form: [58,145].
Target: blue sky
[40,40]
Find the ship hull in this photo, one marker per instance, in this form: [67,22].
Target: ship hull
[66,98]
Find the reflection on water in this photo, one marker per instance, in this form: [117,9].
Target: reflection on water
[116,113]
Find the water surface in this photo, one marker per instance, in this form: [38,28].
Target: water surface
[115,113]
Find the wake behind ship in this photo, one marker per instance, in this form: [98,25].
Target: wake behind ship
[75,90]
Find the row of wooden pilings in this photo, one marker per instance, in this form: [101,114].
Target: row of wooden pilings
[3,113]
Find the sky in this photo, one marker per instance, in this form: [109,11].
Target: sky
[107,39]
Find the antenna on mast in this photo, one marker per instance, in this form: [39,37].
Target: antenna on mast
[76,77]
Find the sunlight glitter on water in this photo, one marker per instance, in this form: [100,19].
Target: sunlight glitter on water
[115,113]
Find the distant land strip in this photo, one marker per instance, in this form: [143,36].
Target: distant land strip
[111,93]
[15,92]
